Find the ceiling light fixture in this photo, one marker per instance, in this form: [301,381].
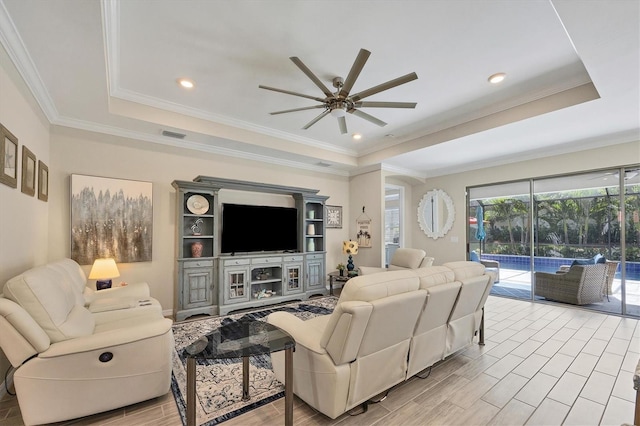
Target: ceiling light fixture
[186,83]
[357,136]
[497,78]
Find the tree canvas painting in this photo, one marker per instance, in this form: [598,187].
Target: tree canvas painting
[111,218]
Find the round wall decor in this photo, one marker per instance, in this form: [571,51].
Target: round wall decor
[197,204]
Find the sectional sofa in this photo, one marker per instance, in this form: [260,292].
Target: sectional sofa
[386,327]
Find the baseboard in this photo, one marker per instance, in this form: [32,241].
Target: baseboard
[167,313]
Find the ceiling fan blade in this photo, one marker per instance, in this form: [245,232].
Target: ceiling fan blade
[291,93]
[315,120]
[367,117]
[356,68]
[366,104]
[342,122]
[311,75]
[296,109]
[385,86]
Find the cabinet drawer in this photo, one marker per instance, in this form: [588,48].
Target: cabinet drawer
[232,262]
[263,260]
[293,258]
[198,264]
[315,256]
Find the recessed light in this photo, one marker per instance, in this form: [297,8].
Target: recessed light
[357,136]
[497,78]
[186,83]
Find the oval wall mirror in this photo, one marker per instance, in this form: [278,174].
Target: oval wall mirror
[436,213]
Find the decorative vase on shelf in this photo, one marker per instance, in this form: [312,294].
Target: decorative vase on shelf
[311,229]
[311,214]
[311,245]
[196,249]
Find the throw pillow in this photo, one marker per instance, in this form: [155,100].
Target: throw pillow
[598,258]
[583,262]
[473,256]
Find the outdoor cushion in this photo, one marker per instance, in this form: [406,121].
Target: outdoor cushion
[598,258]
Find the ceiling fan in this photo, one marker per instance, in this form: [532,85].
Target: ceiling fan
[340,103]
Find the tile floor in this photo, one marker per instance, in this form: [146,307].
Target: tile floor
[543,364]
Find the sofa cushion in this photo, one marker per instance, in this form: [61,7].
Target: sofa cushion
[407,258]
[73,274]
[434,275]
[50,300]
[463,269]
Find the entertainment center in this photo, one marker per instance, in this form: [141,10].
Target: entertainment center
[233,256]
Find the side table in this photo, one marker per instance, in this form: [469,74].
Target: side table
[336,277]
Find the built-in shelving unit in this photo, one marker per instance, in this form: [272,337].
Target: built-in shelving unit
[215,283]
[196,249]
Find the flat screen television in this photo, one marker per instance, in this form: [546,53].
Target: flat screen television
[247,228]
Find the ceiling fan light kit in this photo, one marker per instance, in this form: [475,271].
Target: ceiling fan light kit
[340,103]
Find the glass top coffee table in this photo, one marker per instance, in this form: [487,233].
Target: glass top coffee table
[241,339]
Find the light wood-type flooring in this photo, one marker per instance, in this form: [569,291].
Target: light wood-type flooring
[543,364]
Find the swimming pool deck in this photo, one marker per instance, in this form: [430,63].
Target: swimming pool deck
[521,280]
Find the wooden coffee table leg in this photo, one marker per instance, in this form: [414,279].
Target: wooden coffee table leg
[288,387]
[191,392]
[245,378]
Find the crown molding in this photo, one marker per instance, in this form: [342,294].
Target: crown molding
[21,59]
[196,146]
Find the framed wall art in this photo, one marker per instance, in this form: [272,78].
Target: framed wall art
[43,181]
[334,216]
[28,172]
[111,218]
[8,158]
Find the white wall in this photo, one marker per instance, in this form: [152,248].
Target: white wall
[446,250]
[79,152]
[367,190]
[23,219]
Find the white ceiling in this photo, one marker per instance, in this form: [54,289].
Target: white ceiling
[572,81]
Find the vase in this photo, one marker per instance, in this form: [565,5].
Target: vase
[311,245]
[342,272]
[196,249]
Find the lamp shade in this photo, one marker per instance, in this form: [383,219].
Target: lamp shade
[350,247]
[103,269]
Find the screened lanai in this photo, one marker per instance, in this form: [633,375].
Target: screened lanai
[542,228]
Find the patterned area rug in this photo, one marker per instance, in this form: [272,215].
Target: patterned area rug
[219,382]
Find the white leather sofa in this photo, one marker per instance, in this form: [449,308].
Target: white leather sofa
[71,362]
[385,328]
[403,258]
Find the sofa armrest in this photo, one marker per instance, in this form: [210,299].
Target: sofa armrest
[368,270]
[300,330]
[134,291]
[104,340]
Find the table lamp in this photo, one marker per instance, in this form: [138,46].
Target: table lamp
[102,271]
[350,248]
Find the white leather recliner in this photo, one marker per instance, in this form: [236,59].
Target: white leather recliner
[71,362]
[403,258]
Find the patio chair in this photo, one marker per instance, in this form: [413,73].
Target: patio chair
[493,265]
[580,285]
[612,267]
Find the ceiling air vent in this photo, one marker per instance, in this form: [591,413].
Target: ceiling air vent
[321,164]
[173,134]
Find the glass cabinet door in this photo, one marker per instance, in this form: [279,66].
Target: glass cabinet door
[236,283]
[293,279]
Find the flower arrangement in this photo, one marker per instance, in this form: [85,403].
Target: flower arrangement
[340,267]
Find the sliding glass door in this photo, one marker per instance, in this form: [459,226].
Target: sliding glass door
[577,221]
[499,235]
[547,225]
